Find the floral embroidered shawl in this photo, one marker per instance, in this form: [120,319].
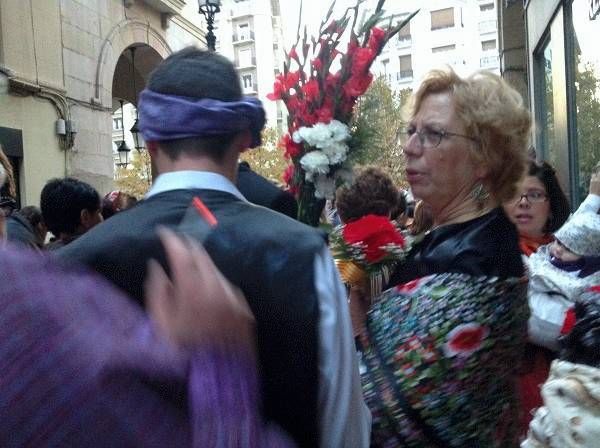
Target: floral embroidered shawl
[449,346]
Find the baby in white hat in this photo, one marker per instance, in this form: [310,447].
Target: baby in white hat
[560,271]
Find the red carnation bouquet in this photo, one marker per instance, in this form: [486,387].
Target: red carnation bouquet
[367,250]
[319,86]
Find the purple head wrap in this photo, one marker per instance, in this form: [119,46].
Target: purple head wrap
[172,117]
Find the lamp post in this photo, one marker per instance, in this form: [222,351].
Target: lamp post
[123,150]
[135,130]
[209,8]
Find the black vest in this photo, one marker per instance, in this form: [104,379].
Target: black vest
[268,255]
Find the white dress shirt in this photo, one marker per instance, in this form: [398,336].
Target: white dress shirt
[344,419]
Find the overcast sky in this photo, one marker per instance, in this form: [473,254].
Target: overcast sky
[313,13]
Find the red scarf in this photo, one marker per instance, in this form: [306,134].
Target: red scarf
[529,244]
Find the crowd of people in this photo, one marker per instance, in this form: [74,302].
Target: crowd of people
[194,317]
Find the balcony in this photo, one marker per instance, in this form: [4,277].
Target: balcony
[488,26]
[173,7]
[251,89]
[404,75]
[404,41]
[242,37]
[489,62]
[247,63]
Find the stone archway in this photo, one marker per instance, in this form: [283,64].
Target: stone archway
[124,35]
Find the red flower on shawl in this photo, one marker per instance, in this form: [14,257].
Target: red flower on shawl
[465,339]
[374,232]
[409,286]
[594,289]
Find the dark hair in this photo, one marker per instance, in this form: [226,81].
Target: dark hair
[32,214]
[371,193]
[400,206]
[197,73]
[62,201]
[559,204]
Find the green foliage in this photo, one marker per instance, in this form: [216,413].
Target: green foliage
[267,160]
[587,85]
[136,179]
[376,127]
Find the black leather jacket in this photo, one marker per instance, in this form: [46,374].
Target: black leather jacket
[488,245]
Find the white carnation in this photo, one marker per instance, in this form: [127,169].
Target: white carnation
[296,137]
[324,187]
[315,162]
[336,152]
[339,131]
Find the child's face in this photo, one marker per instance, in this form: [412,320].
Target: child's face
[557,250]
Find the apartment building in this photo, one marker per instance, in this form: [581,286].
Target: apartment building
[249,32]
[459,33]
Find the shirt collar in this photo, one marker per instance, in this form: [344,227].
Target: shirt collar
[190,180]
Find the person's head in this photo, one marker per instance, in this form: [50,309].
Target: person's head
[371,193]
[466,139]
[70,206]
[579,237]
[539,206]
[33,215]
[171,111]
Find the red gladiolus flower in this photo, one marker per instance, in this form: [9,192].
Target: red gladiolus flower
[317,64]
[357,85]
[374,232]
[291,149]
[288,174]
[362,60]
[311,90]
[376,39]
[278,90]
[352,45]
[291,80]
[324,114]
[293,54]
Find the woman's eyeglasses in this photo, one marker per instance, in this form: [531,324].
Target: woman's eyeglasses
[428,138]
[533,197]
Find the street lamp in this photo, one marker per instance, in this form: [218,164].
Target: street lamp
[123,150]
[135,130]
[208,8]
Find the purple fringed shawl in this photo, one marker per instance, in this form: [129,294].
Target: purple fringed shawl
[80,365]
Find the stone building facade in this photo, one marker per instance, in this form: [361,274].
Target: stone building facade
[63,66]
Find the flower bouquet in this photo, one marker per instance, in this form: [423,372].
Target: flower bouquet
[367,250]
[319,86]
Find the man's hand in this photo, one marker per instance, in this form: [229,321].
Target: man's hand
[197,305]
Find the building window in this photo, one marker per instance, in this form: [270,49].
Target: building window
[586,68]
[245,58]
[406,70]
[117,124]
[442,18]
[546,104]
[244,31]
[488,45]
[385,64]
[443,49]
[404,33]
[247,81]
[486,7]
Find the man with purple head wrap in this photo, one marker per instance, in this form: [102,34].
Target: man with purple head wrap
[196,123]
